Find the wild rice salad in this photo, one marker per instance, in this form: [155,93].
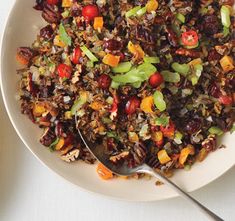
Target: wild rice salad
[151,80]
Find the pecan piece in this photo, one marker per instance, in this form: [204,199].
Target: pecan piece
[48,137]
[209,143]
[188,53]
[172,37]
[50,13]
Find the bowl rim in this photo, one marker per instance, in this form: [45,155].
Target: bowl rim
[57,171]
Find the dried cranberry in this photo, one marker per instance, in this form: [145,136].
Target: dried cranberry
[113,45]
[110,144]
[69,140]
[213,55]
[122,56]
[193,126]
[172,37]
[214,90]
[39,5]
[47,32]
[48,137]
[104,81]
[89,12]
[64,71]
[155,80]
[225,100]
[75,10]
[144,35]
[52,2]
[132,104]
[77,54]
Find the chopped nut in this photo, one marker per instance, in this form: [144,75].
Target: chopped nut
[71,156]
[120,156]
[218,107]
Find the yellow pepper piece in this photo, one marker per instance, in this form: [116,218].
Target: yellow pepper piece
[227,63]
[185,152]
[58,42]
[38,110]
[98,23]
[133,137]
[195,62]
[157,136]
[202,155]
[111,60]
[67,3]
[60,144]
[68,115]
[152,5]
[96,105]
[163,157]
[136,50]
[147,104]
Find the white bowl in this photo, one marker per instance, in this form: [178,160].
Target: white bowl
[23,24]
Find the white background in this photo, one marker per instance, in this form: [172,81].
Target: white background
[31,192]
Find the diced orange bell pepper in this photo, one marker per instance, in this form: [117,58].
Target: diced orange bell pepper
[98,23]
[185,152]
[151,5]
[195,62]
[163,157]
[202,155]
[136,50]
[226,63]
[103,172]
[21,59]
[169,130]
[67,3]
[58,42]
[111,60]
[60,144]
[133,137]
[147,104]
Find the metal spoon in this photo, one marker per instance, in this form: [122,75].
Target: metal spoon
[124,170]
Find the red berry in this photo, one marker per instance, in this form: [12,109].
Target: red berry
[104,81]
[226,100]
[77,54]
[64,71]
[89,12]
[132,104]
[115,104]
[155,80]
[52,2]
[122,56]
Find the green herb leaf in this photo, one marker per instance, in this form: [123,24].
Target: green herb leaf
[112,134]
[170,76]
[159,100]
[64,37]
[52,146]
[162,121]
[216,131]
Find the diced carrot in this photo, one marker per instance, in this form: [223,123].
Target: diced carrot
[152,5]
[103,172]
[98,23]
[227,63]
[21,59]
[185,152]
[96,105]
[111,60]
[163,157]
[147,104]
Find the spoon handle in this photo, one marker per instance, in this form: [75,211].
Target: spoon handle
[211,216]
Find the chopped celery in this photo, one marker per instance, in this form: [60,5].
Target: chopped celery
[132,12]
[162,121]
[171,76]
[181,68]
[152,60]
[115,84]
[225,16]
[216,131]
[89,54]
[159,100]
[180,17]
[122,67]
[141,12]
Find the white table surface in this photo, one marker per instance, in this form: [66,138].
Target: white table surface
[31,192]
